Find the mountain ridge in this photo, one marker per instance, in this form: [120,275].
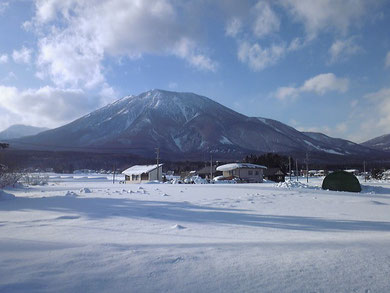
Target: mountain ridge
[181,125]
[20,130]
[379,143]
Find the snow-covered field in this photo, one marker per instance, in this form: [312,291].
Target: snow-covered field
[82,233]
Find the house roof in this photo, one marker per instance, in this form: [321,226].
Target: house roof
[351,170]
[233,166]
[139,169]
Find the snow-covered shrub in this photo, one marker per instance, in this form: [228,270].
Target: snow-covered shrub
[35,179]
[8,177]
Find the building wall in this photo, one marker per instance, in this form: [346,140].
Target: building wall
[247,174]
[153,174]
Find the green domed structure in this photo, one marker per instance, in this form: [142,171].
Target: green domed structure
[341,181]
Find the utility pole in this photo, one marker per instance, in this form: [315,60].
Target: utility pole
[289,166]
[113,174]
[296,168]
[211,169]
[307,167]
[3,146]
[364,171]
[158,161]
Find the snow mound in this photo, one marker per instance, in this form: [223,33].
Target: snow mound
[153,182]
[85,190]
[199,180]
[164,194]
[71,194]
[177,181]
[5,195]
[293,184]
[374,189]
[178,227]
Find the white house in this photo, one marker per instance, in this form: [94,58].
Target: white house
[143,173]
[245,171]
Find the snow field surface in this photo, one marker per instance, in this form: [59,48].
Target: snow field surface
[86,234]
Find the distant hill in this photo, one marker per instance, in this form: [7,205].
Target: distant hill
[380,143]
[341,144]
[182,125]
[19,130]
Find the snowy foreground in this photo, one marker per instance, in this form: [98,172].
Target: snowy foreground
[86,234]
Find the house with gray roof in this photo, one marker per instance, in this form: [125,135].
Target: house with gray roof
[244,171]
[143,173]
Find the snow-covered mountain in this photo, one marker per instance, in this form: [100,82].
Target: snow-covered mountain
[340,144]
[380,143]
[180,124]
[20,130]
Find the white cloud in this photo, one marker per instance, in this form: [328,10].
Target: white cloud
[186,49]
[323,83]
[369,117]
[262,18]
[322,15]
[343,49]
[285,92]
[297,44]
[387,60]
[319,85]
[22,56]
[258,22]
[257,57]
[3,7]
[381,100]
[81,34]
[338,131]
[3,58]
[9,77]
[233,27]
[266,21]
[70,61]
[46,106]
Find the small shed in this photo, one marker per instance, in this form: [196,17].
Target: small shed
[244,171]
[206,171]
[341,181]
[274,174]
[143,173]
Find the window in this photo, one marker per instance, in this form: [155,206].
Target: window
[257,172]
[250,172]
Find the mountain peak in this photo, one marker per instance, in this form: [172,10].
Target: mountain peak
[183,124]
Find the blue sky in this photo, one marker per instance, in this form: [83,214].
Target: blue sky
[315,65]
